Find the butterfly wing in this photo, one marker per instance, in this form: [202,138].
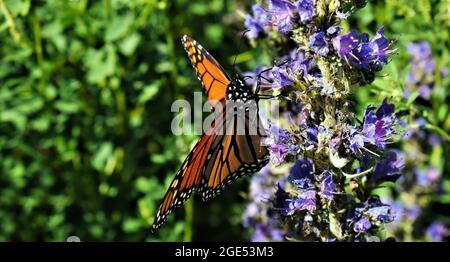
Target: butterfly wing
[234,154]
[187,179]
[217,159]
[213,77]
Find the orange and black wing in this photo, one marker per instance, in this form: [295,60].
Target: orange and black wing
[233,154]
[216,160]
[213,77]
[187,179]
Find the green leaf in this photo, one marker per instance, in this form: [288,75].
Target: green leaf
[13,116]
[67,106]
[129,44]
[412,97]
[119,27]
[149,92]
[131,225]
[103,153]
[17,7]
[337,161]
[199,8]
[100,63]
[214,32]
[335,227]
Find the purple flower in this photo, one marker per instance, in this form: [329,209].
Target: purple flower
[251,212]
[265,233]
[280,78]
[385,110]
[380,50]
[278,153]
[345,44]
[362,56]
[412,212]
[378,127]
[381,213]
[277,135]
[283,13]
[253,26]
[389,169]
[434,140]
[306,10]
[327,187]
[333,30]
[281,200]
[305,201]
[265,77]
[312,132]
[256,23]
[437,231]
[421,75]
[298,64]
[425,91]
[362,225]
[358,51]
[420,51]
[427,177]
[319,44]
[259,192]
[302,174]
[279,144]
[356,142]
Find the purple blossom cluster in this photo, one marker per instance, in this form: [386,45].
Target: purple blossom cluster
[327,163]
[421,76]
[368,214]
[257,214]
[437,231]
[295,66]
[358,51]
[422,177]
[279,144]
[281,15]
[377,129]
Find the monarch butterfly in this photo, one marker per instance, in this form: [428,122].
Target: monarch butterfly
[218,158]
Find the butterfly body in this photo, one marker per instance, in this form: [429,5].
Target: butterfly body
[237,91]
[231,148]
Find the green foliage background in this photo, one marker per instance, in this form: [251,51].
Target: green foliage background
[85,95]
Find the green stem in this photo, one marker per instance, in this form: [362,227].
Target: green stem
[172,54]
[363,173]
[37,40]
[143,16]
[189,209]
[107,8]
[10,22]
[439,130]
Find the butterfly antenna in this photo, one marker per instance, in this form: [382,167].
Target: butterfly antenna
[239,48]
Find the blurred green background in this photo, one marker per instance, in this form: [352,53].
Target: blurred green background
[85,94]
